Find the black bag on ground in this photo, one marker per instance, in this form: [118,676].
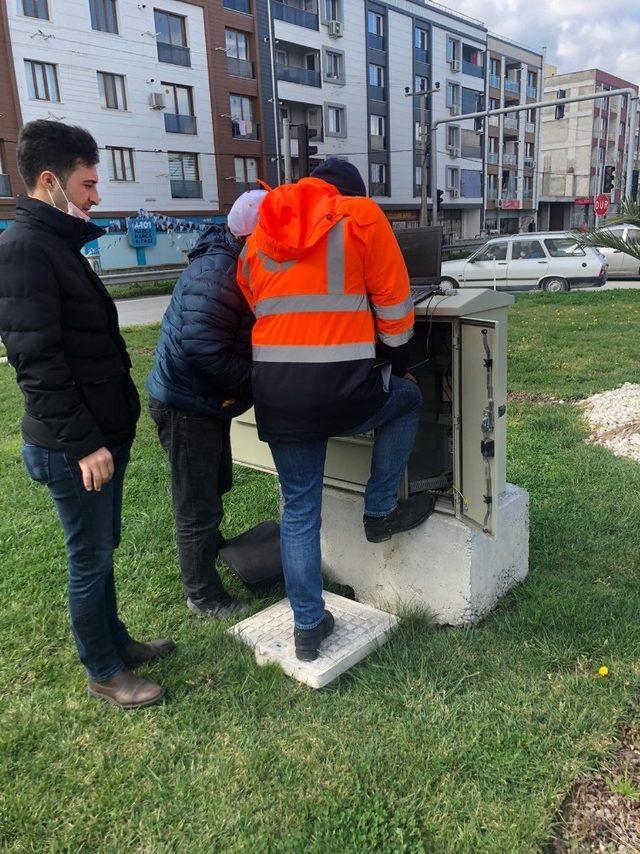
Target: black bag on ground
[255,556]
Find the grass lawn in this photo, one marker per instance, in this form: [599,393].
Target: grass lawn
[446,740]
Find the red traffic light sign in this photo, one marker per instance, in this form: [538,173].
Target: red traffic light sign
[601,205]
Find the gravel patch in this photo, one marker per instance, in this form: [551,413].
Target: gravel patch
[614,419]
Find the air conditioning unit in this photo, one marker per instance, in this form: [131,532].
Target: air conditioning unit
[454,192]
[156,101]
[335,28]
[454,109]
[453,150]
[456,65]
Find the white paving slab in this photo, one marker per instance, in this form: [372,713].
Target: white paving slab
[359,629]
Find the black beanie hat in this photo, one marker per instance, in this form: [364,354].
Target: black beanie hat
[342,175]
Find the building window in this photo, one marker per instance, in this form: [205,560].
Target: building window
[453,178]
[421,39]
[103,15]
[246,169]
[120,163]
[112,92]
[171,38]
[237,44]
[241,110]
[42,80]
[378,176]
[453,95]
[420,84]
[333,10]
[336,124]
[376,76]
[334,66]
[376,133]
[494,67]
[453,137]
[375,24]
[532,79]
[179,117]
[453,50]
[35,9]
[184,175]
[417,177]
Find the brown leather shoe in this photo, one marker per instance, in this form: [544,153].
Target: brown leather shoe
[127,691]
[138,653]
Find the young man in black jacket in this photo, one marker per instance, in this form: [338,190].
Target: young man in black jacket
[201,379]
[60,328]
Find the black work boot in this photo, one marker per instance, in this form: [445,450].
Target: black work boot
[222,608]
[308,640]
[408,514]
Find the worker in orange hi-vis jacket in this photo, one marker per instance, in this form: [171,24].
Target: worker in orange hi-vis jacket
[330,291]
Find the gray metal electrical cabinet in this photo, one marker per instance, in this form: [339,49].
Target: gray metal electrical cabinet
[459,359]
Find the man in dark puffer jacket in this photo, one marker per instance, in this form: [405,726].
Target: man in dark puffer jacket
[60,327]
[201,379]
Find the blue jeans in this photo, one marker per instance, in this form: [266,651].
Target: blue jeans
[91,525]
[300,468]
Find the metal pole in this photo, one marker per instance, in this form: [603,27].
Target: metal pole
[633,117]
[423,161]
[286,144]
[274,88]
[434,173]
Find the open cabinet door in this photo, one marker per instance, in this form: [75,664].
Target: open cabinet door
[478,360]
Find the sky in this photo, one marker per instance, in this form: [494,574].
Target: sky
[577,33]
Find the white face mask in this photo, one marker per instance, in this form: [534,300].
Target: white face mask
[72,210]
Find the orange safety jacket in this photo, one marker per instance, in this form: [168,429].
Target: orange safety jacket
[326,280]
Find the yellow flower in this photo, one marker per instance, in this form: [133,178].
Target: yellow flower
[603,671]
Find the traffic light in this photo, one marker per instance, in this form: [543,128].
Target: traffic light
[561,93]
[305,151]
[478,124]
[609,178]
[439,194]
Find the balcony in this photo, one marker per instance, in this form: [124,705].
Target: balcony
[471,151]
[510,159]
[175,123]
[472,69]
[378,189]
[377,93]
[238,5]
[421,55]
[532,91]
[510,124]
[240,67]
[530,127]
[174,54]
[527,195]
[292,15]
[375,41]
[528,162]
[492,158]
[492,193]
[5,187]
[512,86]
[186,189]
[293,74]
[494,81]
[245,129]
[378,143]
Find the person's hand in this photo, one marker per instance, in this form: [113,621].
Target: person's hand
[97,469]
[228,402]
[411,378]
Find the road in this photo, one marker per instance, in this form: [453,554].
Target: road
[140,312]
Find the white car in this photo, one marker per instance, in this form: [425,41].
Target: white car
[619,264]
[549,261]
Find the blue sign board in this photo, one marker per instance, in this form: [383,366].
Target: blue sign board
[142,232]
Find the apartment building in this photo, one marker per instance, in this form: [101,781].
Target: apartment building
[584,145]
[514,78]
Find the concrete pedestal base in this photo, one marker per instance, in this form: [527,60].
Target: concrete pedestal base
[449,568]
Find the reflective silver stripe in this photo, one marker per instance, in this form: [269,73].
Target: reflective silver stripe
[396,340]
[312,302]
[393,312]
[245,263]
[313,353]
[271,265]
[335,259]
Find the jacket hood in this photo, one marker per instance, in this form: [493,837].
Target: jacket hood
[294,217]
[74,231]
[216,237]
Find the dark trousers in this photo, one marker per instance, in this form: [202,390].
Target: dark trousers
[199,452]
[91,525]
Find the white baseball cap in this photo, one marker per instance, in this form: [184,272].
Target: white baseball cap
[243,216]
